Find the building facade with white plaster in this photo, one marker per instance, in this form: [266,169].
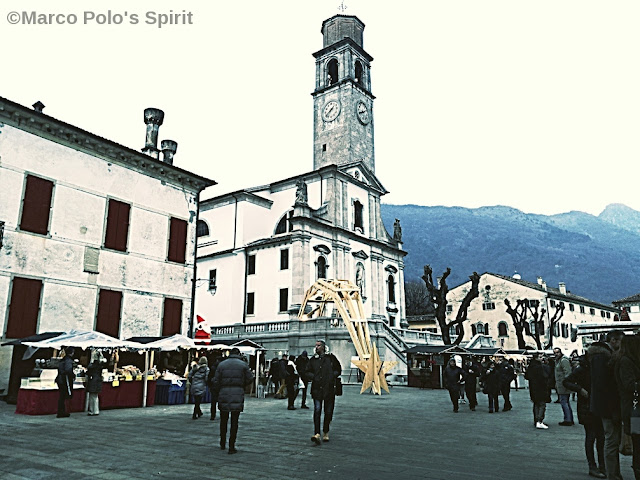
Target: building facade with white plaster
[96,236]
[488,312]
[261,248]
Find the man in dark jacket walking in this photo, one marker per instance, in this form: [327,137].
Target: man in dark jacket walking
[322,371]
[214,394]
[453,377]
[301,365]
[231,376]
[605,401]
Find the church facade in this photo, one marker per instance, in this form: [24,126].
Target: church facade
[261,248]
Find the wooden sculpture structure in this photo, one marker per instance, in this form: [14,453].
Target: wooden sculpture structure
[345,296]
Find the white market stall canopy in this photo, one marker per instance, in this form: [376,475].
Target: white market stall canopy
[83,339]
[171,343]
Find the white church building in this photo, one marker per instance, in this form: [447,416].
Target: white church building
[260,248]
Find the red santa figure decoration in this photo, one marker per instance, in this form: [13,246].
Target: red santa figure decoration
[203,331]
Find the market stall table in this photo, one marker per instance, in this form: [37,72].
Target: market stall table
[33,401]
[168,392]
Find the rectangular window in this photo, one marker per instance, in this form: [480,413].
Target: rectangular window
[449,308]
[24,307]
[172,317]
[488,306]
[284,259]
[552,303]
[36,205]
[177,240]
[284,300]
[602,313]
[117,225]
[251,297]
[592,311]
[109,309]
[251,265]
[581,308]
[608,314]
[213,274]
[571,307]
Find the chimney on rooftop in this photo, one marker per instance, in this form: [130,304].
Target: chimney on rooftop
[153,118]
[168,148]
[539,280]
[563,288]
[38,106]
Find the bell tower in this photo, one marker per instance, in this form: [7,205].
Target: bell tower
[342,99]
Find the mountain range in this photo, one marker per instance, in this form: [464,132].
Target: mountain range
[597,257]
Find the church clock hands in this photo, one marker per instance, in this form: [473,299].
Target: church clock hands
[330,111]
[363,113]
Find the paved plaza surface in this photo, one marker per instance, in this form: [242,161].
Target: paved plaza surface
[410,433]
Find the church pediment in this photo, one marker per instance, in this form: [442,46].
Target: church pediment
[391,269]
[361,173]
[360,254]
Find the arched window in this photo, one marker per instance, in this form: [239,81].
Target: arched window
[358,72]
[284,225]
[480,328]
[532,327]
[391,289]
[202,229]
[541,327]
[321,267]
[502,329]
[358,223]
[332,72]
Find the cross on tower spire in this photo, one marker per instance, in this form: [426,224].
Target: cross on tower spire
[342,7]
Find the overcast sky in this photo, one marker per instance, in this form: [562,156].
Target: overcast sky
[535,105]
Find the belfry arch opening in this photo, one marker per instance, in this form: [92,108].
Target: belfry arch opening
[332,71]
[358,72]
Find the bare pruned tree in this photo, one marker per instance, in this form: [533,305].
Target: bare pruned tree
[438,295]
[519,316]
[553,321]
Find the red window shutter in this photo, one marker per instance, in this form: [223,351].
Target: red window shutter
[177,240]
[109,306]
[37,205]
[172,317]
[117,225]
[24,308]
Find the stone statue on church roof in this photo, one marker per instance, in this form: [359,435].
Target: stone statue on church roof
[302,197]
[397,231]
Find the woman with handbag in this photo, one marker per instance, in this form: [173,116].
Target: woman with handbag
[627,372]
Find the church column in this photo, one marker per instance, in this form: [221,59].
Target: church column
[377,288]
[402,315]
[301,264]
[373,215]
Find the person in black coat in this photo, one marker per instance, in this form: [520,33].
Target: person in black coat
[491,386]
[507,375]
[540,377]
[291,381]
[322,371]
[627,371]
[579,380]
[232,375]
[453,377]
[301,365]
[604,397]
[471,373]
[94,381]
[65,380]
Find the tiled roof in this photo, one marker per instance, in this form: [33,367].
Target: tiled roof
[551,291]
[632,298]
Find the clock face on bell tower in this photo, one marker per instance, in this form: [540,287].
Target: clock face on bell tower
[342,99]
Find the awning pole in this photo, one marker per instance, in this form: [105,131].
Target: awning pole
[144,385]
